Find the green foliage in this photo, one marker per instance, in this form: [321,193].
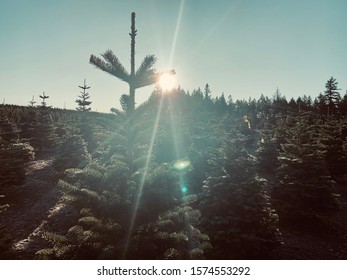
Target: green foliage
[305,188]
[332,139]
[236,209]
[332,97]
[42,130]
[14,155]
[144,76]
[161,191]
[83,103]
[43,97]
[173,235]
[267,152]
[104,205]
[72,151]
[182,176]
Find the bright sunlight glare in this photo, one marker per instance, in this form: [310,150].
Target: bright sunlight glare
[167,82]
[181,164]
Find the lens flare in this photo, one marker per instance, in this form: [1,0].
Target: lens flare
[167,82]
[181,165]
[142,182]
[184,189]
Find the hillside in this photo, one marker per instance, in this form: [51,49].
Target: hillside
[184,177]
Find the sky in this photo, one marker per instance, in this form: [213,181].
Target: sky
[242,48]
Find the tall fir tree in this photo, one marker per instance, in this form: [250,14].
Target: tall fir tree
[144,76]
[332,97]
[332,139]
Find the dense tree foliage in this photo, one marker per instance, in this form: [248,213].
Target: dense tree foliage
[185,176]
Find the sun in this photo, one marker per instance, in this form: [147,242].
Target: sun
[167,82]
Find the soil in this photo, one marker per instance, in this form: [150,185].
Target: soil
[322,237]
[35,207]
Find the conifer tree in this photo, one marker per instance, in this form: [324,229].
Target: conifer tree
[332,139]
[144,76]
[72,151]
[207,97]
[279,106]
[207,92]
[236,210]
[343,105]
[332,96]
[14,156]
[83,102]
[32,102]
[221,103]
[320,106]
[174,235]
[263,110]
[102,195]
[305,184]
[44,97]
[42,130]
[267,152]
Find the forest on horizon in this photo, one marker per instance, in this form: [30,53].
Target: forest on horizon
[184,176]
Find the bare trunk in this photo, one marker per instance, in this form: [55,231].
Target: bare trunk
[131,105]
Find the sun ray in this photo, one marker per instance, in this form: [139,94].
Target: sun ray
[178,24]
[173,124]
[143,178]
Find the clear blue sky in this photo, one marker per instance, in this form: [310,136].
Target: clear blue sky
[243,48]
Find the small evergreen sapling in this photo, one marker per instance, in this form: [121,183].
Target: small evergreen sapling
[44,97]
[83,102]
[72,151]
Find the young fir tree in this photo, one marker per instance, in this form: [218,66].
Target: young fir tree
[83,102]
[236,210]
[14,156]
[32,102]
[144,76]
[44,97]
[41,130]
[165,226]
[305,185]
[71,151]
[174,235]
[102,195]
[104,192]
